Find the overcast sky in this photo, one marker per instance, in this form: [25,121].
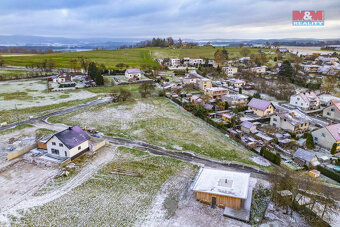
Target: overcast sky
[197,19]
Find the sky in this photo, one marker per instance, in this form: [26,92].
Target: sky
[188,19]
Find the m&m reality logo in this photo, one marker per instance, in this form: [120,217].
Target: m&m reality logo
[308,18]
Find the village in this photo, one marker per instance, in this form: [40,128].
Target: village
[260,105]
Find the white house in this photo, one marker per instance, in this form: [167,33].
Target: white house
[259,70]
[68,143]
[192,78]
[306,101]
[292,121]
[229,70]
[327,136]
[133,74]
[195,61]
[175,62]
[332,111]
[237,82]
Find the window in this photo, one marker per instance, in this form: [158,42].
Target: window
[274,119]
[65,153]
[295,102]
[328,113]
[61,145]
[55,151]
[323,135]
[274,124]
[332,110]
[53,143]
[315,139]
[298,98]
[79,147]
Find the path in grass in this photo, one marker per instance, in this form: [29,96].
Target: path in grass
[159,121]
[105,198]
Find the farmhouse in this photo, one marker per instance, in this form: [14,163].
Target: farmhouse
[71,142]
[133,74]
[261,107]
[332,111]
[306,101]
[292,121]
[327,136]
[222,188]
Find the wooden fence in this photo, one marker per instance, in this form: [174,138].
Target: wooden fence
[20,152]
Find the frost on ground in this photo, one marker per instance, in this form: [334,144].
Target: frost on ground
[24,94]
[160,122]
[261,161]
[103,198]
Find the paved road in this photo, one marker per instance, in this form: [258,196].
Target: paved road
[31,121]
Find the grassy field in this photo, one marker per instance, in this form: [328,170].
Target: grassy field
[17,74]
[108,199]
[132,57]
[160,122]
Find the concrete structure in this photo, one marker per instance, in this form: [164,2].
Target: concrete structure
[292,121]
[327,136]
[222,188]
[235,99]
[306,101]
[229,70]
[135,74]
[332,111]
[261,107]
[216,92]
[68,143]
[303,157]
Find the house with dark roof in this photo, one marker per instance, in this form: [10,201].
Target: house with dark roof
[327,136]
[303,157]
[261,108]
[69,143]
[133,74]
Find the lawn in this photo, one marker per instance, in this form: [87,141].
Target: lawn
[131,57]
[159,121]
[108,199]
[18,74]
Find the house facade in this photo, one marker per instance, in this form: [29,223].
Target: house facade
[306,101]
[327,136]
[332,111]
[68,143]
[259,70]
[293,121]
[222,188]
[237,83]
[261,107]
[229,70]
[235,99]
[192,78]
[204,84]
[133,74]
[216,92]
[248,127]
[175,62]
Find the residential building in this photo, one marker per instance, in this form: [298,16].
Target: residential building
[282,50]
[305,100]
[311,68]
[259,70]
[222,188]
[227,117]
[332,111]
[327,136]
[216,92]
[244,59]
[175,62]
[196,61]
[303,157]
[69,143]
[133,74]
[62,78]
[229,70]
[236,82]
[261,107]
[314,173]
[292,121]
[235,99]
[204,84]
[192,78]
[196,100]
[248,127]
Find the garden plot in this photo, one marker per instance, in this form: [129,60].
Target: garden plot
[108,199]
[160,122]
[24,94]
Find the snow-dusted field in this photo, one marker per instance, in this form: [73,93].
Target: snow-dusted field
[160,122]
[35,94]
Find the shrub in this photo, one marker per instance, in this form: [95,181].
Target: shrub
[329,173]
[310,141]
[275,158]
[333,150]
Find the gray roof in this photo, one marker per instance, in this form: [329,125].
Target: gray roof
[72,137]
[247,124]
[304,155]
[259,104]
[133,71]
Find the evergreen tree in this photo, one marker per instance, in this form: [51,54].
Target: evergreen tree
[333,150]
[286,69]
[310,141]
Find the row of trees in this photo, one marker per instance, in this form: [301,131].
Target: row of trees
[95,73]
[159,42]
[26,51]
[46,65]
